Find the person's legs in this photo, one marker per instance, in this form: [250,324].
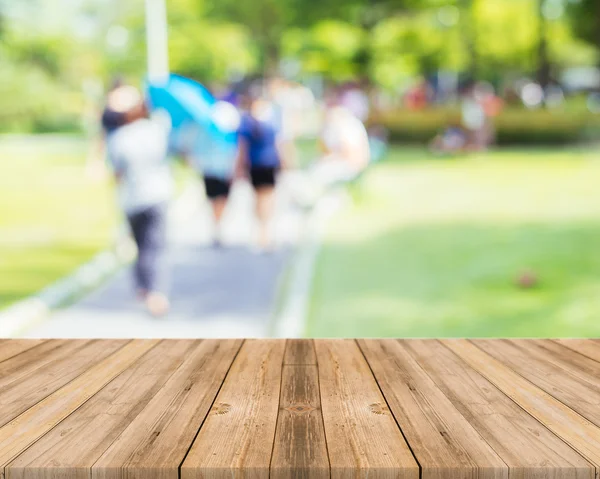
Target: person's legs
[217,191]
[263,180]
[264,213]
[137,224]
[149,228]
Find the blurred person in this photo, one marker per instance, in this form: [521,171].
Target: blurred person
[214,161]
[345,153]
[344,142]
[473,118]
[259,156]
[378,142]
[281,95]
[418,96]
[356,101]
[111,119]
[453,139]
[479,108]
[137,151]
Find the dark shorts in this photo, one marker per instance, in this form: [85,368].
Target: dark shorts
[216,187]
[262,177]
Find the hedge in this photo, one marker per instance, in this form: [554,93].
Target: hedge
[513,126]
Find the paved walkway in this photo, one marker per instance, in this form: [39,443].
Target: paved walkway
[225,292]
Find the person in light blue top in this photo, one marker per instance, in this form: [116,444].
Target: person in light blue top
[212,154]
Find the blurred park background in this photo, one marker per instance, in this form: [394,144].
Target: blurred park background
[488,243]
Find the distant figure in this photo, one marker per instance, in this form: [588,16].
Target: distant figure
[111,120]
[418,96]
[479,107]
[378,142]
[137,151]
[356,101]
[345,145]
[451,141]
[281,97]
[259,157]
[215,162]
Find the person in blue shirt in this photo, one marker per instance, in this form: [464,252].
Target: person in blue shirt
[259,157]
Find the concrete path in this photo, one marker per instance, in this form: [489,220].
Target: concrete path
[225,292]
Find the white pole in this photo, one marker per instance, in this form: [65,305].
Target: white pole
[157,43]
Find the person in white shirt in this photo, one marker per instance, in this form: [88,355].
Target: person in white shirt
[137,152]
[345,144]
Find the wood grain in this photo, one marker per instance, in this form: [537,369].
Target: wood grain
[574,429]
[18,396]
[363,438]
[24,430]
[300,450]
[443,442]
[12,347]
[237,437]
[300,351]
[529,449]
[551,373]
[121,409]
[157,440]
[28,363]
[71,448]
[586,347]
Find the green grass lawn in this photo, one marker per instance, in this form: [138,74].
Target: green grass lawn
[433,248]
[52,217]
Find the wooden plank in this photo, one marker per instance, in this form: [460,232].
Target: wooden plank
[300,351]
[24,430]
[237,437]
[300,450]
[576,364]
[12,347]
[157,440]
[27,363]
[71,448]
[543,369]
[18,396]
[363,438]
[578,432]
[442,440]
[529,449]
[587,347]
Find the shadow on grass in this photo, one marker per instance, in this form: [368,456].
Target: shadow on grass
[461,280]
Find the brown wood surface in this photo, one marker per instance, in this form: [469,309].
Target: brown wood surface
[24,430]
[19,395]
[12,347]
[586,347]
[170,409]
[158,439]
[76,444]
[549,371]
[528,448]
[442,440]
[362,436]
[237,436]
[300,449]
[581,434]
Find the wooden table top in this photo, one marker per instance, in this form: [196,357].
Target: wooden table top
[137,409]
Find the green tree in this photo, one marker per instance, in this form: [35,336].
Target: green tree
[585,16]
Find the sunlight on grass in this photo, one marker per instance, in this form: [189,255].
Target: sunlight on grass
[435,247]
[52,217]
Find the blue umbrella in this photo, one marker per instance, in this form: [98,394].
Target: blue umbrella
[191,107]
